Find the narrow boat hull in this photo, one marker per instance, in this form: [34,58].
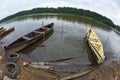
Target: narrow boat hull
[6,32]
[21,46]
[96,47]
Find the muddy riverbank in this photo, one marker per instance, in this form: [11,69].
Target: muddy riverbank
[109,70]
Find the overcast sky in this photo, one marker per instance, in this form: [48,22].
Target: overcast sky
[108,8]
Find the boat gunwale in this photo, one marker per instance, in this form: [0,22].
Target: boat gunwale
[39,36]
[97,53]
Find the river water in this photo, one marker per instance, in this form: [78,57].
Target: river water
[67,40]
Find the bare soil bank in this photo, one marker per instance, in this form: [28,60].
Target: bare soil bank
[109,70]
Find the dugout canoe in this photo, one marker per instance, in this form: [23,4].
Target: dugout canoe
[96,46]
[29,38]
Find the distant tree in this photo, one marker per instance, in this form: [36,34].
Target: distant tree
[65,10]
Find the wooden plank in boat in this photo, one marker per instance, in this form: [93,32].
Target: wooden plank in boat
[95,43]
[38,32]
[27,38]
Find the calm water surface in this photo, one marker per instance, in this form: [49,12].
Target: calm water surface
[66,41]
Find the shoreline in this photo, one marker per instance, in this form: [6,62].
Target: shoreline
[109,70]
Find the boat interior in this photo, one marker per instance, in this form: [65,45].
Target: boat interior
[21,40]
[49,26]
[35,33]
[32,35]
[42,29]
[29,36]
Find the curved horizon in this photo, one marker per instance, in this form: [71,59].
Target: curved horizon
[108,8]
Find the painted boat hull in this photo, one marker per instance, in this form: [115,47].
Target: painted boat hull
[96,47]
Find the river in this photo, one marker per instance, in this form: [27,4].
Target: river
[67,40]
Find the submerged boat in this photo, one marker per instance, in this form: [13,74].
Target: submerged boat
[29,38]
[96,47]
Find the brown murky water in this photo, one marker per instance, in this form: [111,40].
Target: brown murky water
[67,40]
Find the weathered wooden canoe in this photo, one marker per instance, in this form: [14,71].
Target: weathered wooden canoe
[29,38]
[4,32]
[96,47]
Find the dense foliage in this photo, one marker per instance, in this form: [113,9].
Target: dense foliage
[66,10]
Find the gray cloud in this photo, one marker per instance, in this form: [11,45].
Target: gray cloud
[118,2]
[108,8]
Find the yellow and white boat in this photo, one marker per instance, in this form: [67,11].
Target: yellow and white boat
[96,46]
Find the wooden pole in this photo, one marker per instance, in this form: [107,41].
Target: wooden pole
[61,31]
[43,34]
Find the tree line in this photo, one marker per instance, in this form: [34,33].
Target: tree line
[65,10]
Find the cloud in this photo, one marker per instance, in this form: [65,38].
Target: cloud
[108,8]
[117,2]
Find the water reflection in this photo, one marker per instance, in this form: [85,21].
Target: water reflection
[72,19]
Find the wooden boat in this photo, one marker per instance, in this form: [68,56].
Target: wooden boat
[96,47]
[4,32]
[29,38]
[1,28]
